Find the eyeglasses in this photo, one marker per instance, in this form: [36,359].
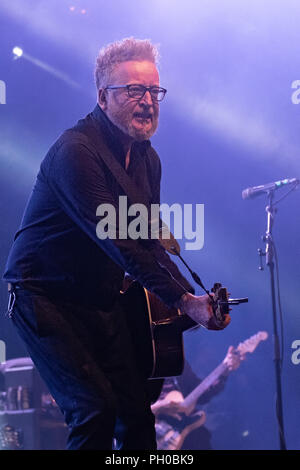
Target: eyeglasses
[138,91]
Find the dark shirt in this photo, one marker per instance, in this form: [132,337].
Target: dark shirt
[56,247]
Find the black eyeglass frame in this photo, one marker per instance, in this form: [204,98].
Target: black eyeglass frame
[146,88]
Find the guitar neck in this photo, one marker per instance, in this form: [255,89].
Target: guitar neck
[246,347]
[205,385]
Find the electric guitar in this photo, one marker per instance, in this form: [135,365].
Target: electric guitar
[172,431]
[157,330]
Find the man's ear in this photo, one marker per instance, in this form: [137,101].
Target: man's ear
[102,99]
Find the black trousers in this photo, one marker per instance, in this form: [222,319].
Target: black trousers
[85,357]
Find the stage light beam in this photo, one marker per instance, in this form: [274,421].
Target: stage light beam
[18,52]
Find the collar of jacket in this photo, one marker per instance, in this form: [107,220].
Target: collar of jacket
[110,132]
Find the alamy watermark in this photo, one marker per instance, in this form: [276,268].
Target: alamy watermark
[2,351]
[296,94]
[296,353]
[186,222]
[2,92]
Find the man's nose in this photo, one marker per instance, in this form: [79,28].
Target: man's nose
[147,98]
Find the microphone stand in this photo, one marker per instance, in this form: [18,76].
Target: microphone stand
[269,254]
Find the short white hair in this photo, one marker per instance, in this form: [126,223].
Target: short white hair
[122,51]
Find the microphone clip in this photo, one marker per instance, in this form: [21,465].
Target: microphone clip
[261,254]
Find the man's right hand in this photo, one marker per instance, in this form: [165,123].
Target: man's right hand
[199,308]
[168,407]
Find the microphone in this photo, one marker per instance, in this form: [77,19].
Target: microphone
[265,188]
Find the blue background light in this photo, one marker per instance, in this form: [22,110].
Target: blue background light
[228,123]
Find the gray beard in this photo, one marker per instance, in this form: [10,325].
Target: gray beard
[130,131]
[141,135]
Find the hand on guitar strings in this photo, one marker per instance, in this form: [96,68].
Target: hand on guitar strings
[168,407]
[200,309]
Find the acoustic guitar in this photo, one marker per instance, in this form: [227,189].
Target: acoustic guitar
[157,330]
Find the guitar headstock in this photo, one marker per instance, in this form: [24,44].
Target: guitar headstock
[251,344]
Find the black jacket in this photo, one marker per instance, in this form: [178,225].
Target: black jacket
[56,247]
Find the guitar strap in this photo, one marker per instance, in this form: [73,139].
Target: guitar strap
[119,173]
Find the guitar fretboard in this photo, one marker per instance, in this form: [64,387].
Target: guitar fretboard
[205,385]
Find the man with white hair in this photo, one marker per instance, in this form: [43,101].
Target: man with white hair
[64,280]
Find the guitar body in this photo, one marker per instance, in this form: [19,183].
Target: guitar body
[157,329]
[156,332]
[171,432]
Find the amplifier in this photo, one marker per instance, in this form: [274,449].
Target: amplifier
[29,417]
